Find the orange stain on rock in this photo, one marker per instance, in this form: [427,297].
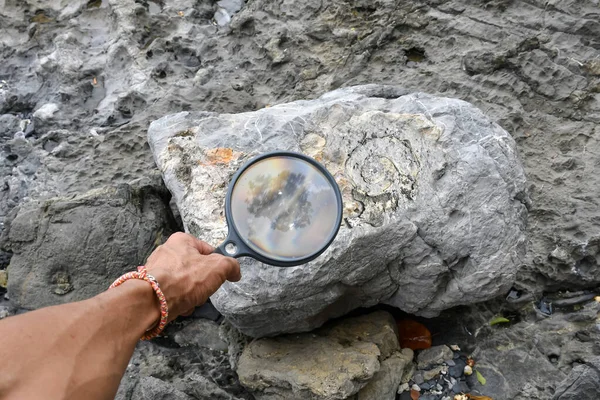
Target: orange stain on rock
[220,155]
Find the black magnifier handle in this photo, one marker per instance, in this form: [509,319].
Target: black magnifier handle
[231,247]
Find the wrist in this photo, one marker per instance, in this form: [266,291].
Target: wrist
[139,309]
[142,274]
[148,305]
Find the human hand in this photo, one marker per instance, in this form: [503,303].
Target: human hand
[188,273]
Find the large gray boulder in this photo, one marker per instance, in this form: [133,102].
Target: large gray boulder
[72,248]
[434,198]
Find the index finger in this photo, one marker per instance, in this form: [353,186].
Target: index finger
[202,247]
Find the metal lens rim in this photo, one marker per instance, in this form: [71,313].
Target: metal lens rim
[243,248]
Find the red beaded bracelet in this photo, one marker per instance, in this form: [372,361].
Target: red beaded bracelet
[142,274]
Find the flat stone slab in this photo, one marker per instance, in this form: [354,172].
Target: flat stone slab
[333,362]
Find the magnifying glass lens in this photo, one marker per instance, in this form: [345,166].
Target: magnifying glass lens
[284,208]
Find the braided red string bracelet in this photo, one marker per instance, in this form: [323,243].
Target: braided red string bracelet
[142,274]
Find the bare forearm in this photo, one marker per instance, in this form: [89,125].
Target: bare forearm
[77,350]
[81,350]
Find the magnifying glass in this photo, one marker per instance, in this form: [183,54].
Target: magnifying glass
[283,209]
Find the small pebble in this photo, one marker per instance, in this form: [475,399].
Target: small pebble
[432,373]
[513,294]
[450,363]
[416,387]
[457,370]
[418,378]
[403,388]
[425,386]
[460,387]
[439,387]
[468,370]
[454,347]
[44,113]
[545,307]
[23,124]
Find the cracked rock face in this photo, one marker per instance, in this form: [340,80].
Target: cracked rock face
[72,248]
[434,202]
[356,358]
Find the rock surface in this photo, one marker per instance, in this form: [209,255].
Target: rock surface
[384,384]
[582,383]
[526,358]
[433,192]
[113,66]
[334,362]
[531,66]
[150,388]
[433,356]
[168,372]
[199,333]
[72,248]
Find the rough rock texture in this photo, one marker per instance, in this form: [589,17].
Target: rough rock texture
[150,388]
[583,382]
[433,356]
[112,66]
[531,66]
[168,372]
[334,362]
[433,193]
[72,248]
[528,357]
[385,382]
[200,333]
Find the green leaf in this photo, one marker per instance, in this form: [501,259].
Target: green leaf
[498,320]
[480,377]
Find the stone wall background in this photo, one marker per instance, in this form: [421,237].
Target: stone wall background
[90,77]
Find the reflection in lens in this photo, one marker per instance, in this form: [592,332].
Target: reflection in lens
[284,208]
[283,197]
